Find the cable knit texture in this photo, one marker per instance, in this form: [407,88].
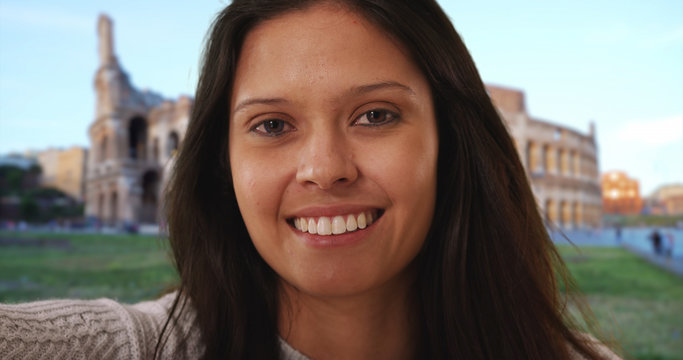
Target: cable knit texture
[94,329]
[101,329]
[104,329]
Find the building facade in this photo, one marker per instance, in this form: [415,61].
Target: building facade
[562,164]
[64,169]
[134,135]
[132,141]
[620,194]
[669,198]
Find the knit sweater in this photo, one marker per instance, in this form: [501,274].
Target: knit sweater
[104,329]
[100,329]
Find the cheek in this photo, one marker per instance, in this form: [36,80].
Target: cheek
[406,168]
[407,173]
[258,188]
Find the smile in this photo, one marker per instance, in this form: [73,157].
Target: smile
[336,225]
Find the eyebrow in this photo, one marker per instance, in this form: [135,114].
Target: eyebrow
[364,89]
[356,90]
[254,101]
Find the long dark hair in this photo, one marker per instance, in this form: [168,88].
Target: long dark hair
[487,272]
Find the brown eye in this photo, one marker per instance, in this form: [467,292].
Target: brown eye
[376,117]
[272,127]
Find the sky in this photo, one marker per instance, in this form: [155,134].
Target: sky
[617,64]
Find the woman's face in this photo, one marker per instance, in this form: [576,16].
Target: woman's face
[333,151]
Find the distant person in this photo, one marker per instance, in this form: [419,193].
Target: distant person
[670,244]
[617,230]
[346,189]
[656,239]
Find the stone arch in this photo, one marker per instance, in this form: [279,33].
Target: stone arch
[137,138]
[577,214]
[103,149]
[573,163]
[150,190]
[155,149]
[558,134]
[551,211]
[100,207]
[564,162]
[534,158]
[587,166]
[113,206]
[566,218]
[173,143]
[550,158]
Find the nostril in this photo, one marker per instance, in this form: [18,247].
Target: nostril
[326,172]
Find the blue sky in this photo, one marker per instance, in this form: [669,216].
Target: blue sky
[619,64]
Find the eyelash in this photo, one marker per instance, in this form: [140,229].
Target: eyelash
[265,132]
[388,117]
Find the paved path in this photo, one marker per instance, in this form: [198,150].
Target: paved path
[672,264]
[635,240]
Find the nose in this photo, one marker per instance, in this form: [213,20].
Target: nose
[326,160]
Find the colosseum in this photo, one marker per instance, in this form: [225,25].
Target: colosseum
[562,164]
[132,142]
[135,134]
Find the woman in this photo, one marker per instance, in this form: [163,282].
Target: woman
[347,190]
[336,108]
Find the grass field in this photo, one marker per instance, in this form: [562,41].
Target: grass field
[126,268]
[639,304]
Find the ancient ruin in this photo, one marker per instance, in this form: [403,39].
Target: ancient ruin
[135,134]
[133,139]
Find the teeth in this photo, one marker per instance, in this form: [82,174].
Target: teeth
[362,222]
[336,225]
[324,226]
[351,223]
[312,226]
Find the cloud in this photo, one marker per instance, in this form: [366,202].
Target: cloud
[662,131]
[51,18]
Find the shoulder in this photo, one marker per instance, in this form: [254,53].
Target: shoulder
[85,329]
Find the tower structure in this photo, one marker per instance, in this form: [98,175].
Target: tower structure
[135,133]
[133,137]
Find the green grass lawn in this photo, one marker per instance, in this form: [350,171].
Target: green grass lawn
[126,268]
[640,305]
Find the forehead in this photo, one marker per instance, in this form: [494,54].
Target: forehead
[317,45]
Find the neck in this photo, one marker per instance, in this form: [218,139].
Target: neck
[378,324]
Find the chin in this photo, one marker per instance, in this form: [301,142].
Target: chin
[333,283]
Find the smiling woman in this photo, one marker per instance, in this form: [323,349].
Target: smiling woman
[346,124]
[346,190]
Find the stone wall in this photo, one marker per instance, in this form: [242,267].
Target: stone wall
[64,169]
[562,164]
[133,138]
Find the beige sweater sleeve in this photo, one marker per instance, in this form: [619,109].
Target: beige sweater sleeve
[93,329]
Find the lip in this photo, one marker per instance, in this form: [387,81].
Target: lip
[334,241]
